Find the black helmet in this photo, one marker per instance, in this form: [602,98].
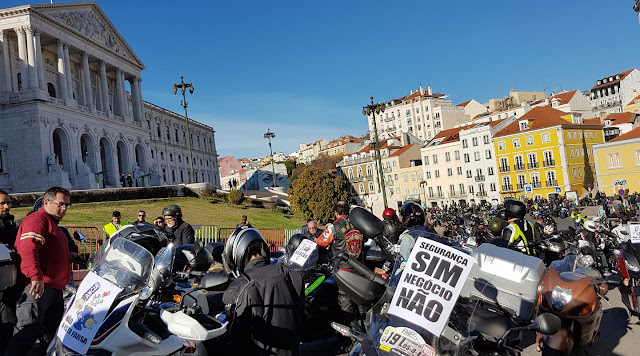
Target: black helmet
[172,210]
[293,243]
[148,236]
[412,214]
[516,209]
[496,225]
[241,241]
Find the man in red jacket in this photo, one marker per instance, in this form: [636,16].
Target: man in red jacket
[45,271]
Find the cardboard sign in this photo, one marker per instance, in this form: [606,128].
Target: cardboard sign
[634,232]
[430,284]
[87,312]
[303,252]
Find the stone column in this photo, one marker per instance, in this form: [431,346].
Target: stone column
[40,63]
[31,57]
[137,81]
[135,100]
[6,83]
[119,94]
[22,54]
[62,73]
[86,76]
[124,94]
[105,88]
[67,67]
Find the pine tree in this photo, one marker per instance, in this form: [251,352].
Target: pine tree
[588,172]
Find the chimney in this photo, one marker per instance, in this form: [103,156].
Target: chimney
[429,90]
[602,115]
[411,91]
[421,90]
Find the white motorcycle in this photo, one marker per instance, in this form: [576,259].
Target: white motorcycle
[114,311]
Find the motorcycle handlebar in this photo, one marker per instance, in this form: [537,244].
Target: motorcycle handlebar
[362,269]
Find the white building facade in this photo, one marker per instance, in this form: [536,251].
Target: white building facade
[443,169]
[611,93]
[72,112]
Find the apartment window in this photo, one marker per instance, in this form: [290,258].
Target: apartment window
[459,169]
[395,176]
[492,187]
[575,172]
[501,146]
[524,125]
[350,173]
[579,172]
[405,178]
[152,155]
[461,187]
[466,158]
[420,176]
[428,175]
[371,188]
[449,172]
[359,172]
[476,156]
[439,188]
[485,139]
[176,135]
[430,192]
[395,163]
[426,160]
[447,157]
[595,135]
[490,171]
[613,160]
[361,188]
[168,133]
[568,135]
[469,174]
[456,154]
[516,143]
[579,135]
[435,159]
[464,143]
[546,138]
[171,157]
[571,152]
[369,170]
[162,155]
[437,173]
[591,132]
[413,177]
[470,189]
[529,140]
[488,154]
[636,154]
[474,141]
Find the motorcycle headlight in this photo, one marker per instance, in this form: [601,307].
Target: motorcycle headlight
[633,267]
[560,297]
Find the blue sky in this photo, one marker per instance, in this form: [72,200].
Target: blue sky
[305,69]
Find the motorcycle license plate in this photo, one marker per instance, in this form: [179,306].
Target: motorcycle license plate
[404,341]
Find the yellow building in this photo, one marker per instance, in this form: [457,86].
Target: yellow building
[542,150]
[618,163]
[634,105]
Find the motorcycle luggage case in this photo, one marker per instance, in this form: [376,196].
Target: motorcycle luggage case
[505,279]
[7,268]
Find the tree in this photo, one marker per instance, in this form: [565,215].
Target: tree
[314,193]
[588,172]
[235,197]
[291,165]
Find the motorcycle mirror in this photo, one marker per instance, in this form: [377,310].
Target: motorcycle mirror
[78,236]
[164,260]
[197,246]
[547,324]
[613,281]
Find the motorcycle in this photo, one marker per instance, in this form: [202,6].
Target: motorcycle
[572,290]
[628,268]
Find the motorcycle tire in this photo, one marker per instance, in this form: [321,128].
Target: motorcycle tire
[549,351]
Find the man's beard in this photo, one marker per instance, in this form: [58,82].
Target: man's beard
[170,224]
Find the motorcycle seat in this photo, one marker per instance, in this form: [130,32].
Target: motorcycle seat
[489,323]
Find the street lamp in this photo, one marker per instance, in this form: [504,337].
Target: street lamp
[271,135]
[372,110]
[183,87]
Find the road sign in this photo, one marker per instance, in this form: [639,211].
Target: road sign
[528,188]
[621,192]
[623,182]
[558,190]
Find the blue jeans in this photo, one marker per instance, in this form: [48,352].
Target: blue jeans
[36,318]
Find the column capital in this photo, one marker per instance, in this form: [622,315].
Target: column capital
[102,63]
[118,70]
[60,42]
[30,29]
[85,55]
[19,30]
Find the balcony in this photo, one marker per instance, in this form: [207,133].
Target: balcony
[536,184]
[552,183]
[521,186]
[388,183]
[479,178]
[532,165]
[360,179]
[387,169]
[439,195]
[504,169]
[507,187]
[518,167]
[481,193]
[549,162]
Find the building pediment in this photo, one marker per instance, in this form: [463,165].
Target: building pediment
[88,20]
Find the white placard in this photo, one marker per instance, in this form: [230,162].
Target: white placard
[634,232]
[303,252]
[87,312]
[430,284]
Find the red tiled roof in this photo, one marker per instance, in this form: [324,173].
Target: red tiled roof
[621,118]
[635,133]
[634,99]
[591,121]
[450,135]
[563,97]
[404,149]
[622,76]
[495,122]
[539,118]
[464,104]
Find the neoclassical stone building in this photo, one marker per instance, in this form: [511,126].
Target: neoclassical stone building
[72,112]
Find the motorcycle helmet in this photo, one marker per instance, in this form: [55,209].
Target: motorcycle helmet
[548,230]
[496,225]
[516,209]
[412,214]
[389,214]
[172,210]
[243,240]
[293,243]
[148,236]
[590,225]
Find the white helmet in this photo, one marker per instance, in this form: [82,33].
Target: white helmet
[590,225]
[548,230]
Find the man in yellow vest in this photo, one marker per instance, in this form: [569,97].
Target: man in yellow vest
[519,232]
[114,225]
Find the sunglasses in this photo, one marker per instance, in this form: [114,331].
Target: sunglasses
[142,215]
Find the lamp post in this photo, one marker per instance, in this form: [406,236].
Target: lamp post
[271,135]
[372,110]
[183,87]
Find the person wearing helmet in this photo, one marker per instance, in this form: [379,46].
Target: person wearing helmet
[538,228]
[496,225]
[265,301]
[519,231]
[392,226]
[413,222]
[182,232]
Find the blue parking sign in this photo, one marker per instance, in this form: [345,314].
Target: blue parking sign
[558,190]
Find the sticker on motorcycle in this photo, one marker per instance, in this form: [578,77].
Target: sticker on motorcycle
[87,312]
[303,252]
[405,342]
[634,232]
[430,284]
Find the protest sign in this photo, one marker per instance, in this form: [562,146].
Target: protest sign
[303,252]
[430,284]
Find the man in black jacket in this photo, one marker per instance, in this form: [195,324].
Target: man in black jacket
[182,233]
[8,232]
[265,302]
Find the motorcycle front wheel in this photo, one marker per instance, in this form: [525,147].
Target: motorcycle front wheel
[549,351]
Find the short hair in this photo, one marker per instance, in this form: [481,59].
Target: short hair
[244,218]
[52,192]
[115,214]
[142,211]
[341,208]
[159,218]
[312,221]
[2,192]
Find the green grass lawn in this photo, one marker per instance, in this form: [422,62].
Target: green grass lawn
[196,211]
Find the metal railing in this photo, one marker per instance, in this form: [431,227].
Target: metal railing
[549,162]
[504,169]
[518,167]
[521,185]
[91,245]
[481,193]
[532,165]
[536,184]
[479,178]
[507,187]
[552,183]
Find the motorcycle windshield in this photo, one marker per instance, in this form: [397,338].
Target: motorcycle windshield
[125,264]
[392,335]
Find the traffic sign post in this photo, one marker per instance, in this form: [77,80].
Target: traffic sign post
[558,190]
[528,189]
